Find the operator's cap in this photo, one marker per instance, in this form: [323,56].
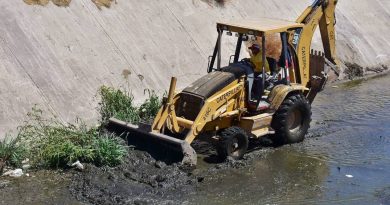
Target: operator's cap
[254,46]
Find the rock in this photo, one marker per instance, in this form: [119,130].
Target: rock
[26,166]
[159,164]
[78,165]
[26,161]
[14,173]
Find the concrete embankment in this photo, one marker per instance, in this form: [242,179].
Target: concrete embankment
[59,56]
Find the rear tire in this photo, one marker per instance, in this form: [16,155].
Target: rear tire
[292,120]
[233,142]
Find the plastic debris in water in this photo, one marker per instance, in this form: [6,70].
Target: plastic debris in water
[348,175]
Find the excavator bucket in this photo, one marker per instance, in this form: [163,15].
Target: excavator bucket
[317,74]
[160,146]
[156,143]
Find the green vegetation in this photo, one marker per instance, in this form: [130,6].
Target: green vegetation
[110,150]
[50,143]
[12,153]
[149,109]
[353,70]
[119,104]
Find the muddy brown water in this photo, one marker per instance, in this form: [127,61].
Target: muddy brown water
[345,159]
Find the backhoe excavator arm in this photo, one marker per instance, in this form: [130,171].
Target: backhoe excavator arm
[321,13]
[327,24]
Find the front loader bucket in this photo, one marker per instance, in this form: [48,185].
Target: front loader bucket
[142,137]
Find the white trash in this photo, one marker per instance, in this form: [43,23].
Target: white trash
[26,166]
[14,173]
[78,165]
[348,175]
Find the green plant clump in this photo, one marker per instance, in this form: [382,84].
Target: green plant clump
[51,143]
[48,142]
[12,153]
[149,109]
[119,104]
[110,151]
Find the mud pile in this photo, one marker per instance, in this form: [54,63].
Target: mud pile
[139,180]
[143,180]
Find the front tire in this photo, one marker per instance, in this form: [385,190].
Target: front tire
[292,120]
[233,142]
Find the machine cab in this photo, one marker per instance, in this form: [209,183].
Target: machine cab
[283,68]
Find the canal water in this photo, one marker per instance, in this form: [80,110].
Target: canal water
[345,158]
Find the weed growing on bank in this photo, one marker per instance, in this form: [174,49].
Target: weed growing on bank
[353,70]
[12,153]
[51,143]
[119,104]
[149,109]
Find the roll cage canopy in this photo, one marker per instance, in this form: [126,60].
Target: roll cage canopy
[259,27]
[244,28]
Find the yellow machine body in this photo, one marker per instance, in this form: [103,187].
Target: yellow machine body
[194,115]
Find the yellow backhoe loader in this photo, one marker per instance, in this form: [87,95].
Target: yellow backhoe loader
[217,107]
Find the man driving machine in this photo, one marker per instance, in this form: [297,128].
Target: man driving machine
[257,59]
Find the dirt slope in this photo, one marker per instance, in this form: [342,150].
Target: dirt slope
[59,56]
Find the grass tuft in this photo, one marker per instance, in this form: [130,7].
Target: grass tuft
[110,151]
[51,143]
[12,153]
[149,109]
[119,104]
[353,70]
